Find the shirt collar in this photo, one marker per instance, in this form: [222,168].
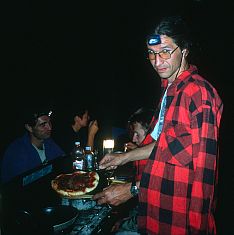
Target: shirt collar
[185,74]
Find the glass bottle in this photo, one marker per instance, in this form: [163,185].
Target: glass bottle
[78,157]
[89,159]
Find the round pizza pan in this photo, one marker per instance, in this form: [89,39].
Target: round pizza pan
[80,204]
[102,183]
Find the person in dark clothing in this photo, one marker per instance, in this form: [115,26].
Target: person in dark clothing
[31,150]
[77,128]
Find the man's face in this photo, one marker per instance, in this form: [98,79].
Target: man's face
[138,133]
[166,69]
[85,119]
[42,129]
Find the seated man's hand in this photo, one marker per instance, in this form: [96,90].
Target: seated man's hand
[115,194]
[93,128]
[129,146]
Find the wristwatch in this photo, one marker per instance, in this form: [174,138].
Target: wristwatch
[134,190]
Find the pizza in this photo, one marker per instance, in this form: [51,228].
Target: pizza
[75,184]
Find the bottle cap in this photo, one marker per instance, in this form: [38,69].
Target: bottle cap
[88,147]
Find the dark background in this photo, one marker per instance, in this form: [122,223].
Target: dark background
[70,52]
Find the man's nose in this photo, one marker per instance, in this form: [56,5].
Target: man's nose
[158,60]
[49,126]
[134,138]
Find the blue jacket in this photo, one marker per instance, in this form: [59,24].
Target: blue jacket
[20,157]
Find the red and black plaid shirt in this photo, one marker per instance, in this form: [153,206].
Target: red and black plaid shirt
[177,185]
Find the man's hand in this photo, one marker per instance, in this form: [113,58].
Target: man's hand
[111,160]
[92,131]
[115,194]
[129,146]
[93,128]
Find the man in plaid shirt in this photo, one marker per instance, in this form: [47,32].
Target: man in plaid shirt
[177,188]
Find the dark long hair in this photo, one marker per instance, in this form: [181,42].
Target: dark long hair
[176,28]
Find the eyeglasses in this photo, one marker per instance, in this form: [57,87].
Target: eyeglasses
[164,54]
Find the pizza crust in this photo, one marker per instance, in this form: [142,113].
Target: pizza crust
[72,194]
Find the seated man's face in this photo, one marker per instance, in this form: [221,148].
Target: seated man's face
[43,128]
[138,133]
[85,119]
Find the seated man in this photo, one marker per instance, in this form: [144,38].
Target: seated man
[32,149]
[76,127]
[138,128]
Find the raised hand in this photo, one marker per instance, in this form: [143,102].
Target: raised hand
[93,127]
